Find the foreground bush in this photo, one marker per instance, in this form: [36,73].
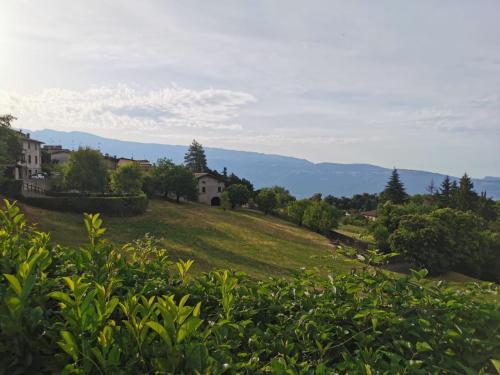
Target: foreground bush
[104,309]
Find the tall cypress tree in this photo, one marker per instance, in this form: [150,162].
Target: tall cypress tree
[195,159]
[466,196]
[394,190]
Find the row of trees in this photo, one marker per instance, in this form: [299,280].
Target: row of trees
[10,147]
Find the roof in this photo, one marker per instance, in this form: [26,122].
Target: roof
[372,213]
[205,174]
[25,137]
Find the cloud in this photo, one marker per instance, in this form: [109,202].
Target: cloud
[127,109]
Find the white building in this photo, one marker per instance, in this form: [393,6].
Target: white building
[31,160]
[210,188]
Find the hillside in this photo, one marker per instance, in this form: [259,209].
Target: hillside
[243,240]
[301,177]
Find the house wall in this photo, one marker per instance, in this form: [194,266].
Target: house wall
[209,188]
[32,158]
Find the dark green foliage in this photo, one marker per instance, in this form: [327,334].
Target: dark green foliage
[104,309]
[109,205]
[283,196]
[321,217]
[355,219]
[10,147]
[359,202]
[195,159]
[86,171]
[232,179]
[446,240]
[394,190]
[182,183]
[389,215]
[466,197]
[238,195]
[11,188]
[266,200]
[445,193]
[127,179]
[296,210]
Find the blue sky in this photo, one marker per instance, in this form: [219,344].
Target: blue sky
[406,84]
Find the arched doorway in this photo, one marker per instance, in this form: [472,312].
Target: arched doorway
[215,201]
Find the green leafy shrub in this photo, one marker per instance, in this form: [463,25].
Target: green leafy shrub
[447,239]
[105,309]
[110,205]
[321,216]
[127,179]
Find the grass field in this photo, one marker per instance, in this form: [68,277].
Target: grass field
[243,240]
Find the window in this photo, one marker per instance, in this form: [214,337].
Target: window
[29,145]
[36,159]
[219,189]
[29,159]
[203,189]
[29,172]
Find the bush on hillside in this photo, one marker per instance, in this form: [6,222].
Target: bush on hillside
[127,179]
[266,200]
[238,195]
[296,210]
[109,205]
[107,309]
[446,240]
[321,217]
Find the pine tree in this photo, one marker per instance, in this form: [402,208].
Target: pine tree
[224,174]
[195,159]
[445,192]
[394,190]
[466,196]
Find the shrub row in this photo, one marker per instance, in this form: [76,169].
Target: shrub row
[11,188]
[114,206]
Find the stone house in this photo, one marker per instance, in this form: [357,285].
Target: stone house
[31,159]
[210,188]
[145,165]
[58,154]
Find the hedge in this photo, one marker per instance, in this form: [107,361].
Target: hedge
[11,188]
[114,206]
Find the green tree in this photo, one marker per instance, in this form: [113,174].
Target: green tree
[266,200]
[195,159]
[485,207]
[238,195]
[159,177]
[394,190]
[445,193]
[444,240]
[466,197]
[296,210]
[225,202]
[182,183]
[10,147]
[86,171]
[127,179]
[283,196]
[321,217]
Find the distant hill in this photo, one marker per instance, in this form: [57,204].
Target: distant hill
[303,178]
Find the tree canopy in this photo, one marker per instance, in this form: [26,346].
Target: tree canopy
[195,159]
[86,171]
[238,195]
[127,179]
[394,190]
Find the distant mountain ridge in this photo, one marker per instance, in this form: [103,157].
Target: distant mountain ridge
[303,178]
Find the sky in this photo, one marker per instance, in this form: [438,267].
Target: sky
[393,83]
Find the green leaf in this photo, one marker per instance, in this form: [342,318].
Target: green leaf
[69,344]
[496,365]
[63,297]
[161,331]
[14,283]
[423,346]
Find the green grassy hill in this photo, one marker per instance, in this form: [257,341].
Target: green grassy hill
[242,240]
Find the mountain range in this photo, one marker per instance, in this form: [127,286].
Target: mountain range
[303,178]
